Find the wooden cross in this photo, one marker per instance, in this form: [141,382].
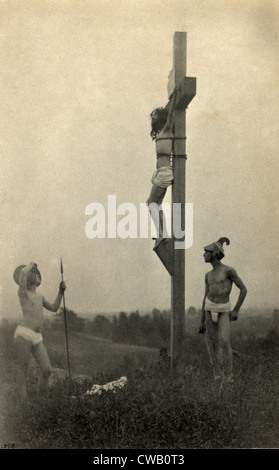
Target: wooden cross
[174,259]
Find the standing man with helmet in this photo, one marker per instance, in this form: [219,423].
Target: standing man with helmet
[216,308]
[28,337]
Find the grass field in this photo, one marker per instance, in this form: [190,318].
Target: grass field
[156,409]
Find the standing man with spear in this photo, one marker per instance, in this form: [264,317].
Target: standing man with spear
[28,337]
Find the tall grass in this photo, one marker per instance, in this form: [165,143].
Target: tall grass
[157,408]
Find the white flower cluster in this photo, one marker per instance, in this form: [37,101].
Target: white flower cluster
[113,386]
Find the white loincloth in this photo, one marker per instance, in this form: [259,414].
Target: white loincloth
[28,334]
[215,309]
[163,177]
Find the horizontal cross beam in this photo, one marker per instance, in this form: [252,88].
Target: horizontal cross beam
[186,91]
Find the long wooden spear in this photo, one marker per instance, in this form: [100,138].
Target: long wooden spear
[65,321]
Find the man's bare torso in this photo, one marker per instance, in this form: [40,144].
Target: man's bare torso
[32,309]
[219,284]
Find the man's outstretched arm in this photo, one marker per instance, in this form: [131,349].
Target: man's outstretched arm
[56,304]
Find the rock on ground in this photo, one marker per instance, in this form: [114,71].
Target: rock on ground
[60,380]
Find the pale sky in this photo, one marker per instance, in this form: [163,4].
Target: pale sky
[78,82]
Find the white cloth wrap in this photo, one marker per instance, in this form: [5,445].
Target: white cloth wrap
[219,308]
[215,309]
[28,334]
[163,177]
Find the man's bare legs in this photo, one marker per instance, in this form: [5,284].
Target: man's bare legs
[156,197]
[24,349]
[220,345]
[225,344]
[42,359]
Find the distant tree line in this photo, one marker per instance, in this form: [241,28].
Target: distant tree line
[150,330]
[74,322]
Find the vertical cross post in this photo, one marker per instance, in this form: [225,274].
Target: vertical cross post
[178,196]
[172,254]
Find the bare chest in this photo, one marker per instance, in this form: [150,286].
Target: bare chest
[219,279]
[32,304]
